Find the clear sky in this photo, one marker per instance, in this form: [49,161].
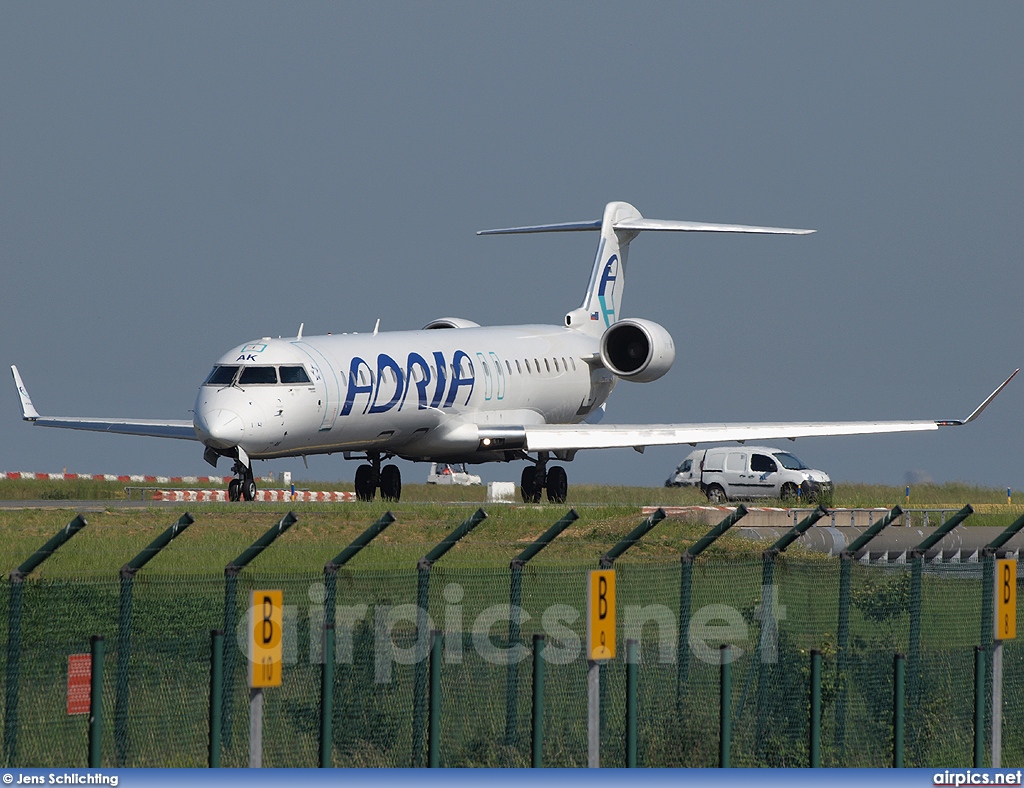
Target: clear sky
[176,179]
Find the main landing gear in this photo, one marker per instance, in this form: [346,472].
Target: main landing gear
[538,477]
[243,486]
[370,477]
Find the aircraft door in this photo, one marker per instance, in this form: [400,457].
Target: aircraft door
[325,379]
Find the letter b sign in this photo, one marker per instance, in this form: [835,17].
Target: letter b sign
[266,617]
[601,615]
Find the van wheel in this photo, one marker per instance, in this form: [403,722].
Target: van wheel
[716,494]
[789,492]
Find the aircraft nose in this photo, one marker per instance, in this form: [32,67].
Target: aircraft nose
[220,428]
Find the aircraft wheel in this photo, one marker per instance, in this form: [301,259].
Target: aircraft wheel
[235,490]
[390,483]
[716,494]
[248,488]
[366,483]
[558,484]
[528,486]
[789,492]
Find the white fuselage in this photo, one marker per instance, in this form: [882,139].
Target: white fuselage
[416,394]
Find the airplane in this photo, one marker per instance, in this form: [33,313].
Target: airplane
[458,392]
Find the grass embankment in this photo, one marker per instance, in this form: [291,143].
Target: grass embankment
[222,531]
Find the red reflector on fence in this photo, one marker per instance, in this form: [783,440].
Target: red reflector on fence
[79,683]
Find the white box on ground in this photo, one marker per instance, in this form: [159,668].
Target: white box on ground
[501,492]
[286,478]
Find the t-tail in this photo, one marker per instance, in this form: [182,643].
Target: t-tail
[602,304]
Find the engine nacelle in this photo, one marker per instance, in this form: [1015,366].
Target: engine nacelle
[637,350]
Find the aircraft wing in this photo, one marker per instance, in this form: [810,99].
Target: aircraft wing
[559,437]
[181,428]
[568,437]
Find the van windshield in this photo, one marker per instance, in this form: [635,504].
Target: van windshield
[789,461]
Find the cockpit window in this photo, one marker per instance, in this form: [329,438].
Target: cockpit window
[221,376]
[294,375]
[254,375]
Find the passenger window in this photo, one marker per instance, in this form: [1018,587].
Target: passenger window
[294,375]
[573,364]
[519,369]
[556,366]
[508,366]
[257,375]
[762,464]
[221,376]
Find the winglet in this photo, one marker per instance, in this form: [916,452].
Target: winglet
[28,412]
[981,407]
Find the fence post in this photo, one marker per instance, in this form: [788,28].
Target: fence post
[685,592]
[814,745]
[13,671]
[768,643]
[331,567]
[537,712]
[96,703]
[124,632]
[725,707]
[327,697]
[231,572]
[898,719]
[216,694]
[423,567]
[434,732]
[917,556]
[17,577]
[979,707]
[514,620]
[631,692]
[846,559]
[607,561]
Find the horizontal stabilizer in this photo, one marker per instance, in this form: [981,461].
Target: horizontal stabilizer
[637,223]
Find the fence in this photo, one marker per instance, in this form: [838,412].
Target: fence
[163,686]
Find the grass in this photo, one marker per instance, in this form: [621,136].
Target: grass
[424,517]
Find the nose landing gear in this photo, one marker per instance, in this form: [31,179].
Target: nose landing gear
[243,486]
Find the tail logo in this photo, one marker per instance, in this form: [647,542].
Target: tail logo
[606,290]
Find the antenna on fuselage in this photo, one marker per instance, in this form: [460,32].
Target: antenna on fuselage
[299,335]
[376,328]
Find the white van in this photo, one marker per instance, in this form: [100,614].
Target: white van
[725,473]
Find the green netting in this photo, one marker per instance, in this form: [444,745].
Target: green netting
[379,714]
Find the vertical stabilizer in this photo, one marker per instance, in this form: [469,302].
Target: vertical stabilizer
[602,303]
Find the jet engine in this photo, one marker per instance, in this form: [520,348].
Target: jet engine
[637,350]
